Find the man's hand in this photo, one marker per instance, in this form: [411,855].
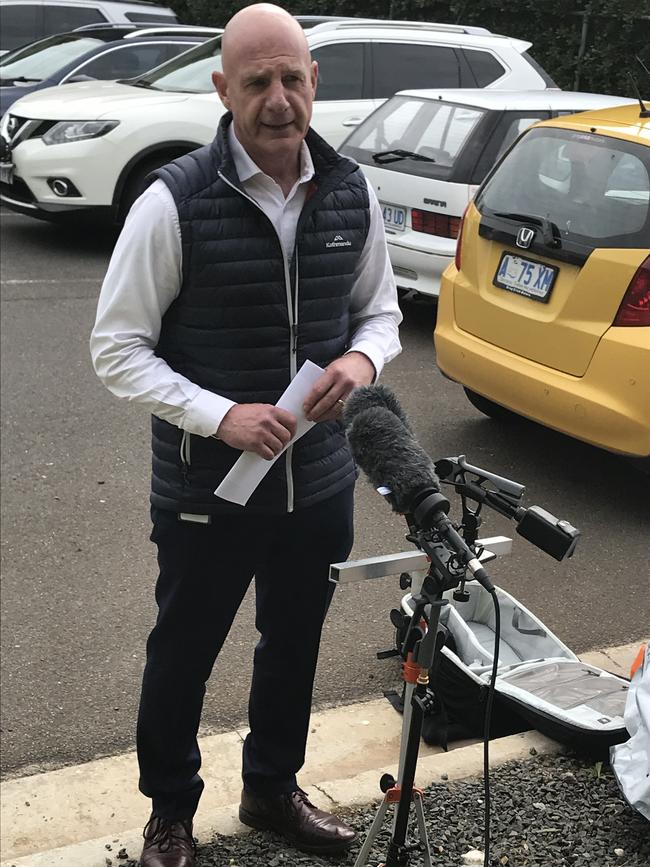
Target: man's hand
[257,427]
[325,401]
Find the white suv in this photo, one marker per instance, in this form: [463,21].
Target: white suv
[26,21]
[90,147]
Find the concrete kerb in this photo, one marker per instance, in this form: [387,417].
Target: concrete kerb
[369,748]
[335,795]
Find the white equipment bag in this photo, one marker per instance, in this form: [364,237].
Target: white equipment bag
[631,760]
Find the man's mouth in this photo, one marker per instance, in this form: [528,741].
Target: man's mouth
[278,125]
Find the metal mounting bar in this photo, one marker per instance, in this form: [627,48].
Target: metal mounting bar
[404,561]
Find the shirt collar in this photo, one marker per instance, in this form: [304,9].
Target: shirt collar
[247,169]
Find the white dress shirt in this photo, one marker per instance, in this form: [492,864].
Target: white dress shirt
[145,274]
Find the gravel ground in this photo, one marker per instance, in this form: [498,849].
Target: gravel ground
[549,811]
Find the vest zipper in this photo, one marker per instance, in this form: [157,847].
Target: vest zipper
[186,457]
[293,325]
[293,363]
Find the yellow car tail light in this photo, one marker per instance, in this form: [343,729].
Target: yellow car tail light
[635,306]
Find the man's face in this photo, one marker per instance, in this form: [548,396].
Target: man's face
[270,90]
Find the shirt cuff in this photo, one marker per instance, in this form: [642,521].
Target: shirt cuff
[205,413]
[376,356]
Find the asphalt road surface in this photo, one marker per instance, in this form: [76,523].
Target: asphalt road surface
[78,569]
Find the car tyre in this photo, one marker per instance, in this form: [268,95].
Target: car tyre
[135,185]
[488,407]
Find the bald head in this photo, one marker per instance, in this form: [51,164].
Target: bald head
[262,30]
[268,81]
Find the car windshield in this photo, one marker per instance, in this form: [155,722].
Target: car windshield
[44,58]
[595,189]
[425,135]
[190,72]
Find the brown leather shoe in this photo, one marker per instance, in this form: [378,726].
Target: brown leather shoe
[168,843]
[296,818]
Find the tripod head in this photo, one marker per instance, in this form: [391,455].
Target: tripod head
[552,535]
[452,549]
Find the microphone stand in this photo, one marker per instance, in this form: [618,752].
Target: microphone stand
[422,642]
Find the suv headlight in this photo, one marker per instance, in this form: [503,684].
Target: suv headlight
[77,130]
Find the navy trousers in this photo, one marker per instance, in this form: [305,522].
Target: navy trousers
[205,570]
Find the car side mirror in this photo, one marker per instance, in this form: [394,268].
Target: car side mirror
[76,79]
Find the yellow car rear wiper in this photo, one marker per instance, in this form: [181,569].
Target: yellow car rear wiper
[550,232]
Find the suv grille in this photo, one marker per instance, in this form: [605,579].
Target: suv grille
[16,129]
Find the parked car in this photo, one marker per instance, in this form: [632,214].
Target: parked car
[90,55]
[26,21]
[426,152]
[130,128]
[546,311]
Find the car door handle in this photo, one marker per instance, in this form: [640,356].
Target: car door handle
[352,121]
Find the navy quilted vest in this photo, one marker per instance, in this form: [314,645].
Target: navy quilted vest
[245,319]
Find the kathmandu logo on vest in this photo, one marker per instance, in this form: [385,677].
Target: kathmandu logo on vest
[338,242]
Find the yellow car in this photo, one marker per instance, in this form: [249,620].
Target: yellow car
[546,310]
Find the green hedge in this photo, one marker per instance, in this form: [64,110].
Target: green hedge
[617,30]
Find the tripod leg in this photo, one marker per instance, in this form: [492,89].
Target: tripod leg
[422,828]
[364,852]
[406,725]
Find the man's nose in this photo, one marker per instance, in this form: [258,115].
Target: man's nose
[277,97]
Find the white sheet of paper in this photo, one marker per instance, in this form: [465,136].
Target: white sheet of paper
[249,469]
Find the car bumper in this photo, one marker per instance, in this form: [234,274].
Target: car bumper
[19,198]
[608,407]
[416,270]
[35,164]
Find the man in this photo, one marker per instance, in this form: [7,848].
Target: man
[224,281]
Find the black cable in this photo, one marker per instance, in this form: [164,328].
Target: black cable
[488,720]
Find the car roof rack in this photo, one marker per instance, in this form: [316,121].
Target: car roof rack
[151,28]
[112,25]
[307,21]
[175,30]
[410,25]
[154,3]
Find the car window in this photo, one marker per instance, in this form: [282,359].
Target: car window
[428,128]
[191,72]
[407,66]
[594,187]
[340,71]
[128,61]
[485,66]
[20,24]
[145,17]
[45,58]
[514,128]
[56,19]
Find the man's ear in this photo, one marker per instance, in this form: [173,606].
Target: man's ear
[221,86]
[314,77]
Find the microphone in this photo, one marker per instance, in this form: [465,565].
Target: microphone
[367,396]
[384,447]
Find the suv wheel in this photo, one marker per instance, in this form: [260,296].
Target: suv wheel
[136,185]
[488,407]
